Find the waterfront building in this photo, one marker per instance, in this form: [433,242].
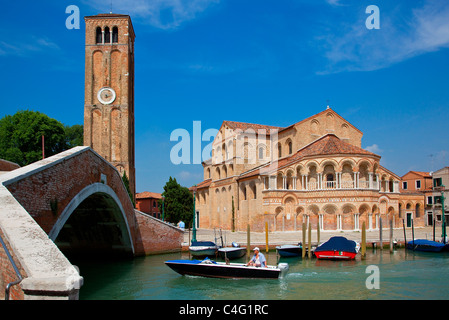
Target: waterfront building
[147,202]
[313,171]
[440,185]
[415,188]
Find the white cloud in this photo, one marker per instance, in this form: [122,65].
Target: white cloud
[403,34]
[187,175]
[26,46]
[374,149]
[162,14]
[334,2]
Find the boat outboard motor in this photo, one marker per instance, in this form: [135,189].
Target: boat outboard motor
[284,269]
[235,245]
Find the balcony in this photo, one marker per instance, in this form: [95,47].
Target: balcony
[333,185]
[305,184]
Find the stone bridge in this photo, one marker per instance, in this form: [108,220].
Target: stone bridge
[73,203]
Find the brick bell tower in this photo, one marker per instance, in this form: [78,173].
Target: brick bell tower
[109,91]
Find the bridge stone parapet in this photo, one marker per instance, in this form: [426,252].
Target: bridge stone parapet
[46,272]
[72,203]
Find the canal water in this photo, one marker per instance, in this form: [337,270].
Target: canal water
[401,275]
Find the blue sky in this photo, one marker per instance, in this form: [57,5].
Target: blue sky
[265,61]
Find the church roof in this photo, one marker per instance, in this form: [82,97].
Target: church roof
[203,184]
[244,126]
[331,144]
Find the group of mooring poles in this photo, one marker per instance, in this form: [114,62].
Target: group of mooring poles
[307,238]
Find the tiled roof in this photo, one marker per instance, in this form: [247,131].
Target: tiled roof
[331,144]
[146,195]
[204,184]
[254,126]
[423,174]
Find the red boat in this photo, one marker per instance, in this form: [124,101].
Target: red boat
[337,248]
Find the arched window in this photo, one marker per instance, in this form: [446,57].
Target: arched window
[98,36]
[279,150]
[115,35]
[107,35]
[290,148]
[261,152]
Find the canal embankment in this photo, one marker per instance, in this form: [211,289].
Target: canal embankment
[276,238]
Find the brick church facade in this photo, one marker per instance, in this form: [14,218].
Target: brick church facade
[311,171]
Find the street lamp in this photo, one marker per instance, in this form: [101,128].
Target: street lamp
[194,214]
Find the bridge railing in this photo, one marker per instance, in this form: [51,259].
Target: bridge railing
[16,270]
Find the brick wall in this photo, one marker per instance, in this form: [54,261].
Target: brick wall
[7,273]
[154,236]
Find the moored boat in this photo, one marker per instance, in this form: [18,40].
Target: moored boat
[288,250]
[337,248]
[203,249]
[425,245]
[213,269]
[233,252]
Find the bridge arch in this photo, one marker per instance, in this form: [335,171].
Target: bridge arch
[94,220]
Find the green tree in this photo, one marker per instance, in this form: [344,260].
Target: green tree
[21,137]
[74,135]
[126,183]
[178,203]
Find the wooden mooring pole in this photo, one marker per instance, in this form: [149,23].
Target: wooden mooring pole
[266,236]
[309,247]
[363,240]
[248,241]
[391,235]
[303,240]
[380,234]
[405,235]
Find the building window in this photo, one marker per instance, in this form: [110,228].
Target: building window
[290,148]
[107,35]
[279,151]
[429,200]
[437,199]
[404,185]
[98,36]
[418,184]
[261,151]
[437,182]
[115,35]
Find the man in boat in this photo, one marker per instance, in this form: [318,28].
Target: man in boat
[258,260]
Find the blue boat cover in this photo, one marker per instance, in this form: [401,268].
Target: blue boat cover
[184,261]
[338,244]
[203,244]
[423,242]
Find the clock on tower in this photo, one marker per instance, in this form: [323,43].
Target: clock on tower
[109,90]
